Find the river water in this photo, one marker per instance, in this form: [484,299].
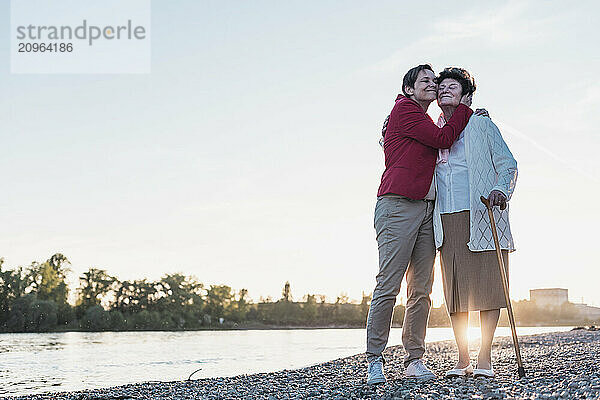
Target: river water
[45,362]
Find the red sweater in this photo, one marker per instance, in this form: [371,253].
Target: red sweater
[410,146]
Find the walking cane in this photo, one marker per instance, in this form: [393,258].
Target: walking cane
[511,316]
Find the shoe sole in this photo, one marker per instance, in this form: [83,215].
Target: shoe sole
[458,376]
[376,382]
[422,378]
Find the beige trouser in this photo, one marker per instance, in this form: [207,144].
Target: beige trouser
[406,244]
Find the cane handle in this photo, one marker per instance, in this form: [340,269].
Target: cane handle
[485,201]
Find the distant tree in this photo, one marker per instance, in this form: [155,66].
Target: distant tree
[12,286]
[439,316]
[147,320]
[218,301]
[44,315]
[96,319]
[286,294]
[527,313]
[240,307]
[29,314]
[285,311]
[309,309]
[398,315]
[364,306]
[123,293]
[324,312]
[48,279]
[343,298]
[177,292]
[117,321]
[19,319]
[134,296]
[94,284]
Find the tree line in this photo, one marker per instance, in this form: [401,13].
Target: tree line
[35,299]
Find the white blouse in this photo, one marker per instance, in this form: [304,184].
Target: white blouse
[452,178]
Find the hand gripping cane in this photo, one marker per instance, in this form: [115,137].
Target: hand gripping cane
[511,316]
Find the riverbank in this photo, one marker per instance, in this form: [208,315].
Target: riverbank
[559,365]
[265,327]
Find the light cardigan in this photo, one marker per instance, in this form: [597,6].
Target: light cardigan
[491,167]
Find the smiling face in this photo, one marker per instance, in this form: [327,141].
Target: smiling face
[449,93]
[425,89]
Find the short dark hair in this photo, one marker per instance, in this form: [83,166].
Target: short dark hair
[466,80]
[411,76]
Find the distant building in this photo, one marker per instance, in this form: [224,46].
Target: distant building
[554,297]
[588,312]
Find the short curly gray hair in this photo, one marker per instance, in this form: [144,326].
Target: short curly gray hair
[461,75]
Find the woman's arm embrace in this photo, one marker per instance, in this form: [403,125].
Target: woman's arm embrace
[504,163]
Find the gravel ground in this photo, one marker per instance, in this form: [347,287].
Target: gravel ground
[559,366]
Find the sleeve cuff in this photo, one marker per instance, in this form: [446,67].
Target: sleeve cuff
[498,188]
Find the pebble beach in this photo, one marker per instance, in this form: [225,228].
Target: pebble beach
[562,365]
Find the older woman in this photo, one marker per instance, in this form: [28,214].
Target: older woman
[478,163]
[403,220]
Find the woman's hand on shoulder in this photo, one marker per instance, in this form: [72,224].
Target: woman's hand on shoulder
[497,198]
[482,112]
[385,124]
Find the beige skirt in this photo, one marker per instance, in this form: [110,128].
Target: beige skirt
[472,280]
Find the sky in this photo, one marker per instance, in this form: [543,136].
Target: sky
[249,155]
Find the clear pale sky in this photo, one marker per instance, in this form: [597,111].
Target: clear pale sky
[249,156]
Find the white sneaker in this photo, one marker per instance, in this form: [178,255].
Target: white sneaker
[456,372]
[418,370]
[486,373]
[375,372]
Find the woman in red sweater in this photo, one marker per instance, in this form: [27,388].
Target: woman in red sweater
[403,219]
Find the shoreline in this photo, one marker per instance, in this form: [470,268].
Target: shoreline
[284,328]
[559,365]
